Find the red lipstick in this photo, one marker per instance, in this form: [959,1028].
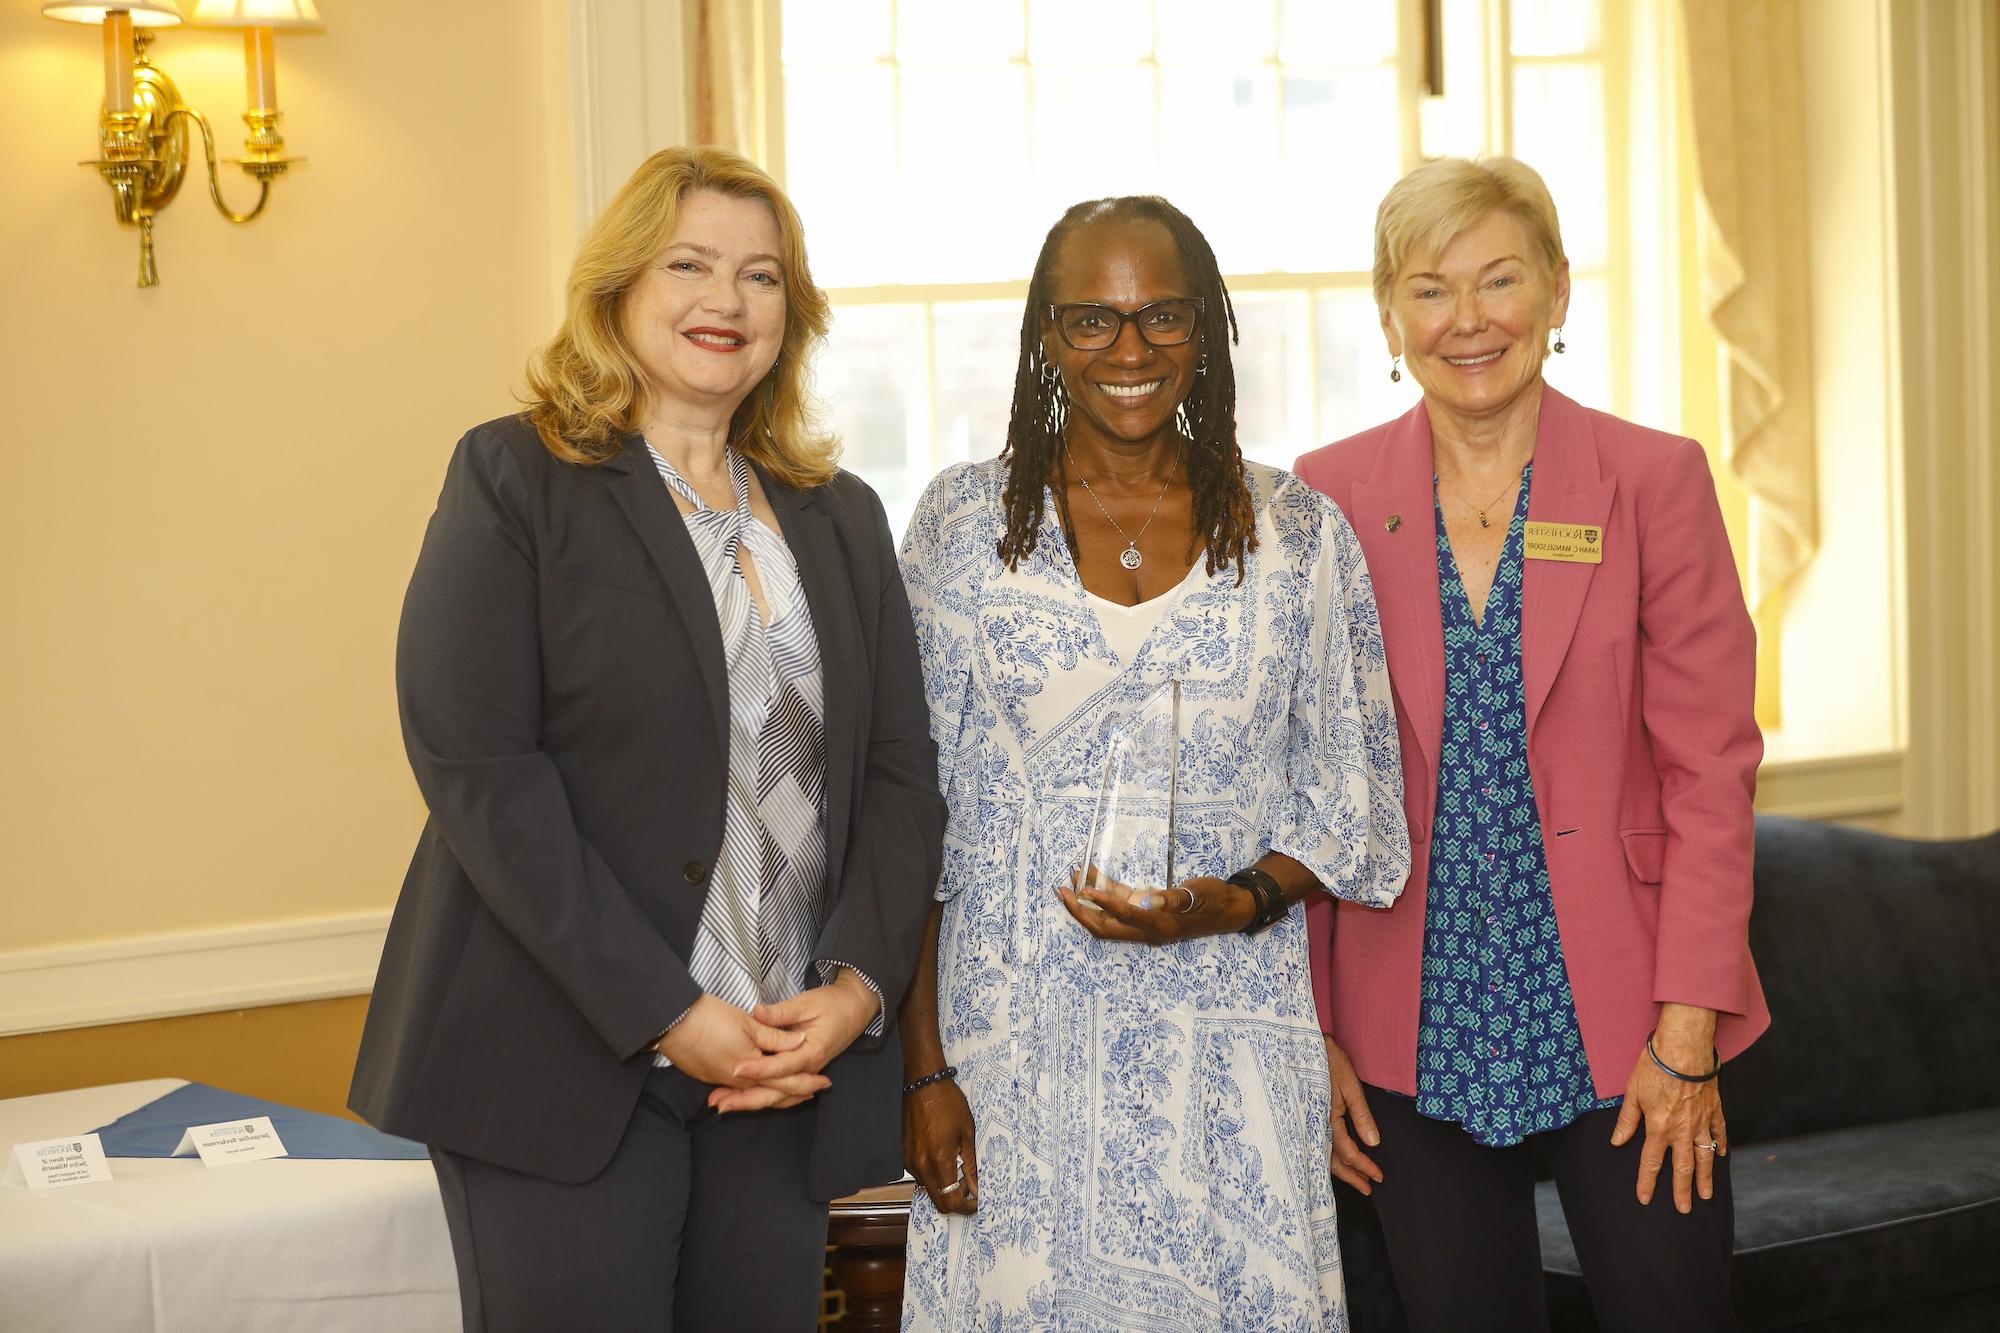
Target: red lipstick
[735,345]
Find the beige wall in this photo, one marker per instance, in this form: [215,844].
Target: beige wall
[211,491]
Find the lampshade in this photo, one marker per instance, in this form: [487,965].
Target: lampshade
[297,15]
[145,13]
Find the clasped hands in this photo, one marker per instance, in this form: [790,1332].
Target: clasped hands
[1203,905]
[770,1056]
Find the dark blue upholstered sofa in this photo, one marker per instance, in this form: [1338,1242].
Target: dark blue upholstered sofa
[1865,1127]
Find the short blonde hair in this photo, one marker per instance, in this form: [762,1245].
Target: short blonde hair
[1428,209]
[586,388]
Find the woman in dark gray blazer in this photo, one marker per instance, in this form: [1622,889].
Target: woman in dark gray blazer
[660,690]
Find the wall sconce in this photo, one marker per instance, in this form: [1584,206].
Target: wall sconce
[143,126]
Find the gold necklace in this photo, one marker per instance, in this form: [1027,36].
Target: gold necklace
[1481,509]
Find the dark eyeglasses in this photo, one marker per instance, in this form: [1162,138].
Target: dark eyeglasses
[1092,328]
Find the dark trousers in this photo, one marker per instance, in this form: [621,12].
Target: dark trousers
[1458,1221]
[699,1222]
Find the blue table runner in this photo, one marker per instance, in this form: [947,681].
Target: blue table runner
[155,1129]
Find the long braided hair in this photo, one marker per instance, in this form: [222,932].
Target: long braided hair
[1222,515]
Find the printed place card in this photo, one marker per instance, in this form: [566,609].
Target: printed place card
[228,1142]
[54,1163]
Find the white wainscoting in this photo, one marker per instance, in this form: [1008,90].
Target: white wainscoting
[201,971]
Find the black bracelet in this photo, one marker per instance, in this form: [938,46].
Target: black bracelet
[1269,894]
[1671,1072]
[949,1071]
[1274,905]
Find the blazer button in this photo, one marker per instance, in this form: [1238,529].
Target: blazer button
[694,872]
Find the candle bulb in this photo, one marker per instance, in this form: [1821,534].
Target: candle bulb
[118,60]
[260,69]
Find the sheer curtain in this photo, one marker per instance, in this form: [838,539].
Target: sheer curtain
[733,54]
[1743,87]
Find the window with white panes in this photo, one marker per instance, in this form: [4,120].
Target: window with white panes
[930,144]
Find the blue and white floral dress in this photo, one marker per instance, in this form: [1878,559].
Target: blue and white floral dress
[1152,1121]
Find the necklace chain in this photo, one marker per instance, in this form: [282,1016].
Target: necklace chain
[1480,510]
[1130,557]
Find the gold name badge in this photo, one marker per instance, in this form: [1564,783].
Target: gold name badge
[1574,543]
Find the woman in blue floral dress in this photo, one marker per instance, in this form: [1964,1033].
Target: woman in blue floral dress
[1118,1107]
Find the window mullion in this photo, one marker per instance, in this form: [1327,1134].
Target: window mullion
[1409,81]
[1028,92]
[1500,76]
[1620,245]
[925,427]
[1311,424]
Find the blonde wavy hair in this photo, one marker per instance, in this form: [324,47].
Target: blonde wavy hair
[1434,204]
[586,388]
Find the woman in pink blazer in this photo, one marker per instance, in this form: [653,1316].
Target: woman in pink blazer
[1573,669]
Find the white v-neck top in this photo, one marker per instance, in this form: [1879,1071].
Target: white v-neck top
[1126,627]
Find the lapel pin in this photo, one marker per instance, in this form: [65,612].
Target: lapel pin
[1393,522]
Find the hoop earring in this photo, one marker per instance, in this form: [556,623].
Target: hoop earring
[1055,415]
[1560,346]
[1201,365]
[1396,370]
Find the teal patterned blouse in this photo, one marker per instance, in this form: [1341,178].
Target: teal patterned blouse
[1498,1049]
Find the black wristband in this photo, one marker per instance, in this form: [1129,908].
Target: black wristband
[1671,1072]
[948,1072]
[1269,894]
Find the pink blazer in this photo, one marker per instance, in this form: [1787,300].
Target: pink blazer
[1641,742]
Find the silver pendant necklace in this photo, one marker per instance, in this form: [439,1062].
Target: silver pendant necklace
[1130,556]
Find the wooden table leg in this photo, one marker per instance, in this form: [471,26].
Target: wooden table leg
[868,1232]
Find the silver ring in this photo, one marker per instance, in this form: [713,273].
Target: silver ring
[1711,1146]
[1183,911]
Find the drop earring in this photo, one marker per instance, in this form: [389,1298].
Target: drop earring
[1560,346]
[1396,370]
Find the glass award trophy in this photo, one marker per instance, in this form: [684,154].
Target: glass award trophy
[1131,844]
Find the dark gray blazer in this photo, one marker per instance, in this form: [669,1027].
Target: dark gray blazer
[564,703]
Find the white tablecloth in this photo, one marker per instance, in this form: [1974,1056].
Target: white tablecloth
[172,1246]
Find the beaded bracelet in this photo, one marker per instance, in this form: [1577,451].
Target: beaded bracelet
[949,1071]
[1671,1072]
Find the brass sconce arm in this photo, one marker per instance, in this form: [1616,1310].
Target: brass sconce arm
[273,168]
